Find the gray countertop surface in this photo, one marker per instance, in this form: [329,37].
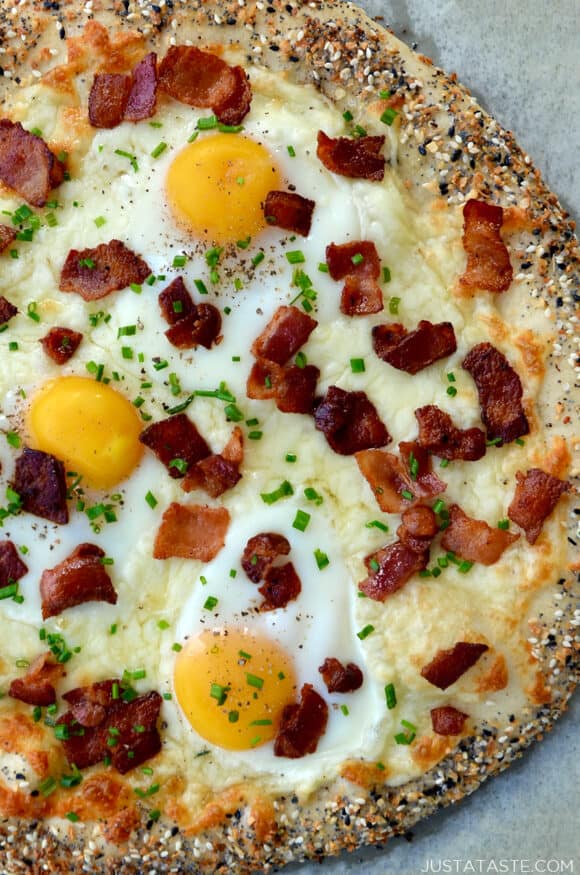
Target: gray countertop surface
[522,62]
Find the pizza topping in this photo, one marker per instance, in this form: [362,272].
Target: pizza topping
[448,665]
[302,725]
[292,387]
[217,473]
[288,330]
[473,539]
[104,722]
[201,79]
[12,568]
[191,532]
[536,496]
[500,393]
[358,264]
[200,328]
[115,97]
[357,158]
[175,302]
[95,273]
[261,552]
[142,100]
[340,678]
[349,422]
[40,482]
[399,482]
[79,578]
[60,344]
[289,211]
[411,351]
[440,436]
[27,165]
[176,438]
[418,528]
[488,260]
[7,236]
[390,568]
[36,687]
[7,310]
[281,585]
[447,720]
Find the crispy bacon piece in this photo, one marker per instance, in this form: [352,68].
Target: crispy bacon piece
[302,725]
[39,480]
[60,344]
[114,97]
[361,294]
[200,328]
[390,476]
[537,494]
[288,330]
[175,302]
[7,236]
[175,438]
[220,472]
[448,665]
[12,568]
[488,260]
[350,422]
[356,158]
[79,578]
[201,79]
[191,532]
[7,310]
[390,569]
[440,436]
[447,720]
[418,528]
[411,351]
[101,723]
[281,585]
[142,101]
[27,165]
[36,687]
[261,552]
[500,393]
[293,388]
[473,539]
[290,211]
[95,273]
[340,678]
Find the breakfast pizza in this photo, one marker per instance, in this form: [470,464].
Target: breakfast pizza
[287,436]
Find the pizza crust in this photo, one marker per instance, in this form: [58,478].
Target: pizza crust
[342,52]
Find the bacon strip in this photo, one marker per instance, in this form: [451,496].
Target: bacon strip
[191,532]
[281,586]
[261,552]
[200,328]
[302,725]
[202,79]
[500,393]
[7,236]
[79,578]
[361,294]
[142,101]
[448,665]
[355,158]
[39,480]
[12,568]
[220,472]
[340,678]
[36,687]
[95,273]
[176,438]
[60,344]
[473,539]
[102,724]
[288,330]
[114,97]
[447,720]
[27,165]
[293,388]
[7,310]
[290,211]
[411,351]
[418,528]
[349,422]
[537,494]
[390,476]
[175,302]
[488,260]
[440,436]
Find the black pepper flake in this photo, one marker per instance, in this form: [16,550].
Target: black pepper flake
[456,155]
[443,187]
[422,150]
[274,48]
[525,264]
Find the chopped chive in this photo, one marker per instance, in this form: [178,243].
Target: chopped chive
[193,137]
[219,693]
[300,361]
[243,244]
[32,313]
[493,442]
[233,413]
[377,524]
[322,559]
[253,421]
[374,565]
[163,625]
[384,94]
[113,629]
[180,261]
[210,603]
[359,131]
[347,115]
[255,435]
[358,258]
[301,520]
[291,151]
[233,716]
[159,150]
[344,709]
[207,123]
[177,647]
[254,681]
[520,442]
[390,696]
[127,352]
[413,466]
[438,506]
[406,494]
[386,275]
[394,306]
[13,439]
[503,524]
[233,572]
[357,366]
[180,465]
[291,457]
[258,257]
[444,463]
[244,655]
[296,257]
[70,815]
[365,632]
[389,116]
[323,267]
[312,495]
[464,566]
[132,158]
[282,491]
[264,722]
[451,391]
[47,786]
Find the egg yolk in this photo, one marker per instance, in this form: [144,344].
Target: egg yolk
[89,426]
[216,187]
[232,687]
